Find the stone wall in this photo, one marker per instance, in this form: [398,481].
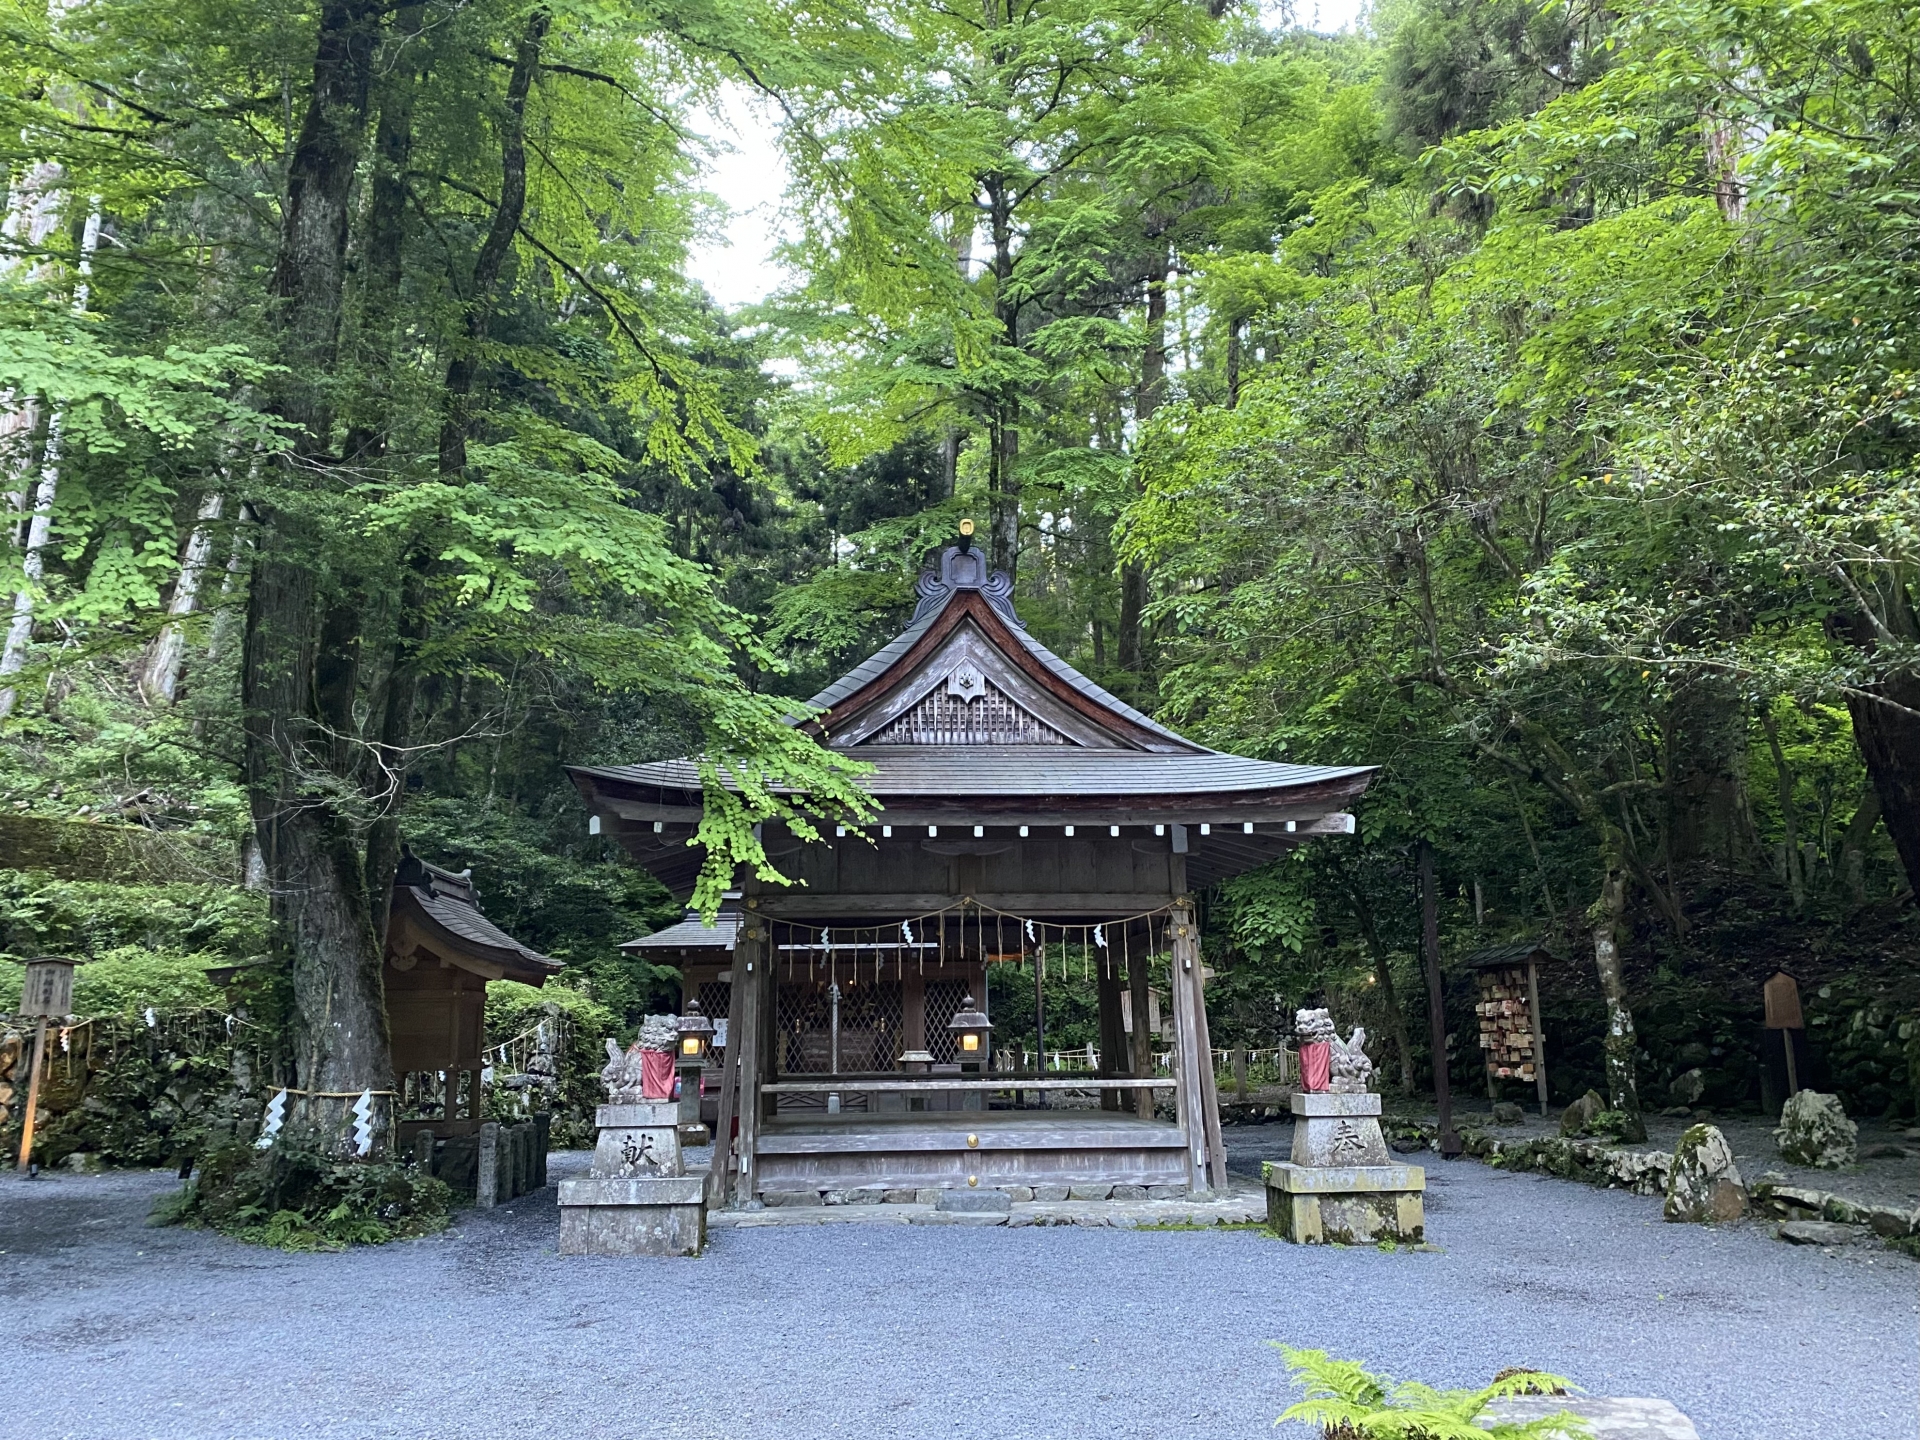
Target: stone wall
[1645,1172]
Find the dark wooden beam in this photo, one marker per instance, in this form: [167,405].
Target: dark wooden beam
[903,905]
[867,1084]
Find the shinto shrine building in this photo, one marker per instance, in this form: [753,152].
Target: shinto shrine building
[1028,817]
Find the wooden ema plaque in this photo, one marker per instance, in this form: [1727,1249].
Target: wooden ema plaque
[1507,1034]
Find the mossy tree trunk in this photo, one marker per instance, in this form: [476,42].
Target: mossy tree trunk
[1621,1044]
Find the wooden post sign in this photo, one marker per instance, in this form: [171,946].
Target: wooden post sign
[1781,994]
[48,991]
[49,987]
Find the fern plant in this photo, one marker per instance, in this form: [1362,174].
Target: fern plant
[1349,1402]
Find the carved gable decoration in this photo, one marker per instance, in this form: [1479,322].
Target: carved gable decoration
[969,693]
[968,710]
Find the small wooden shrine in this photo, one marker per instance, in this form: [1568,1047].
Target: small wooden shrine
[441,952]
[1028,818]
[1508,1007]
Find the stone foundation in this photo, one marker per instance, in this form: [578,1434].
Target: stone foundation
[664,1215]
[637,1200]
[930,1194]
[1346,1204]
[1341,1186]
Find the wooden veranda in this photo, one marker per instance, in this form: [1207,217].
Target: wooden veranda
[1028,817]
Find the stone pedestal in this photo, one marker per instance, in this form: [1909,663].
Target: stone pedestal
[693,1130]
[638,1200]
[1341,1184]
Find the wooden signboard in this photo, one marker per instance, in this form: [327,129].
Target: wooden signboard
[1781,995]
[49,987]
[48,992]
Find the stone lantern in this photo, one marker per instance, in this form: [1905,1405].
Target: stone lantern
[696,1037]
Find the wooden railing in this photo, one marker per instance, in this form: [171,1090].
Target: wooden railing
[1004,1080]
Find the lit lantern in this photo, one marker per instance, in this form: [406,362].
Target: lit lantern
[696,1033]
[970,1029]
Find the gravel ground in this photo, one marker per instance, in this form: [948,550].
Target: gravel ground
[122,1331]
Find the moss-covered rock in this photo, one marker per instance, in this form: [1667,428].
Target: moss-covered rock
[1704,1183]
[1814,1130]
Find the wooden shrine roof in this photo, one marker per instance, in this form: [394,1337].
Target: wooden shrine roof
[441,909]
[692,933]
[967,719]
[956,577]
[1016,770]
[1514,953]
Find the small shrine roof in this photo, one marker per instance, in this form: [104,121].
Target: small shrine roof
[447,906]
[692,933]
[1509,954]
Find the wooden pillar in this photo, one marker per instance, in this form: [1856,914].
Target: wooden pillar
[1139,961]
[748,1028]
[1196,977]
[913,1010]
[1189,1064]
[33,1095]
[1539,1033]
[721,1170]
[1113,1035]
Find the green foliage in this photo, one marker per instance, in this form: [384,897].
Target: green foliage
[141,944]
[1515,397]
[294,1198]
[1349,1402]
[156,1101]
[1270,908]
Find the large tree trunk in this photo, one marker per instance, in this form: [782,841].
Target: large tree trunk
[1853,845]
[309,275]
[1450,1145]
[1003,479]
[383,249]
[33,209]
[1790,828]
[301,652]
[1153,383]
[1383,974]
[160,677]
[1886,723]
[1889,741]
[13,658]
[319,901]
[1623,1089]
[496,248]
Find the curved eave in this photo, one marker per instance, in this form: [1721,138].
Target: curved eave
[459,932]
[654,810]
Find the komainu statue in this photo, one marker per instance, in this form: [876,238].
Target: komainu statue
[623,1075]
[1314,1027]
[1352,1070]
